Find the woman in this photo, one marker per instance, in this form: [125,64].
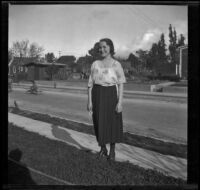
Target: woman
[105,96]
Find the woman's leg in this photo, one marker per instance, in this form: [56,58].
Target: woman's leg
[103,152]
[112,152]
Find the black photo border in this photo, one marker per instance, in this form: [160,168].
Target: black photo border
[193,86]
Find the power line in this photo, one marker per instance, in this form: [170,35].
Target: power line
[59,53]
[133,12]
[142,16]
[145,18]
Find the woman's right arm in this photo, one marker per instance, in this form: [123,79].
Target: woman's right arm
[90,85]
[89,106]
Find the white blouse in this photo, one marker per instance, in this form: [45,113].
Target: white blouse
[106,76]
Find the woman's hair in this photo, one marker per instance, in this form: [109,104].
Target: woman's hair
[110,44]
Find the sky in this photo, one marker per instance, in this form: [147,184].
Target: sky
[74,29]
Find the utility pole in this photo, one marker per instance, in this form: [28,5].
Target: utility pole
[59,52]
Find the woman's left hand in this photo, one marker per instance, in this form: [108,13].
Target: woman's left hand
[119,108]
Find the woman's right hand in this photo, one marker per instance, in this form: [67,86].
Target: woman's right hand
[89,106]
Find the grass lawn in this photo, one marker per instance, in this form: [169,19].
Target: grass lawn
[167,148]
[20,174]
[73,165]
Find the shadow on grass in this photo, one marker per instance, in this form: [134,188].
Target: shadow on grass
[18,173]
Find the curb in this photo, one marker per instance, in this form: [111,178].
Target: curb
[89,124]
[127,93]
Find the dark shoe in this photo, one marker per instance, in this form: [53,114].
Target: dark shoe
[111,156]
[103,152]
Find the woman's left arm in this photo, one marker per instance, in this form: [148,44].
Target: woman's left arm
[121,80]
[120,97]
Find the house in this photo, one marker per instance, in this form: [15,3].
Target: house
[17,68]
[26,68]
[37,70]
[182,62]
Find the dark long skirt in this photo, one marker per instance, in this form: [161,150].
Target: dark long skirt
[107,122]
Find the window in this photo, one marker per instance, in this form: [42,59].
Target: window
[21,69]
[14,69]
[26,69]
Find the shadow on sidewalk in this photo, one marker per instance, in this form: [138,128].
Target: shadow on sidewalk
[18,173]
[65,136]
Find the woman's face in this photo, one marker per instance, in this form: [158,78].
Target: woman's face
[104,49]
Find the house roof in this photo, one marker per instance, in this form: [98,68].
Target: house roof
[43,64]
[29,61]
[22,60]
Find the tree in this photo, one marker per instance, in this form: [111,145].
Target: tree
[10,55]
[126,65]
[134,60]
[20,48]
[35,50]
[181,40]
[50,57]
[157,57]
[94,52]
[52,70]
[172,45]
[69,60]
[170,34]
[162,57]
[143,59]
[153,60]
[84,65]
[174,37]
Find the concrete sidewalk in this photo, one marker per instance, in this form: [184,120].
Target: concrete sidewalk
[168,165]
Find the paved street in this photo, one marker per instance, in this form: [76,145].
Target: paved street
[159,119]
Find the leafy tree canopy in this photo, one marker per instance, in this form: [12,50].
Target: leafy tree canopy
[23,49]
[50,57]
